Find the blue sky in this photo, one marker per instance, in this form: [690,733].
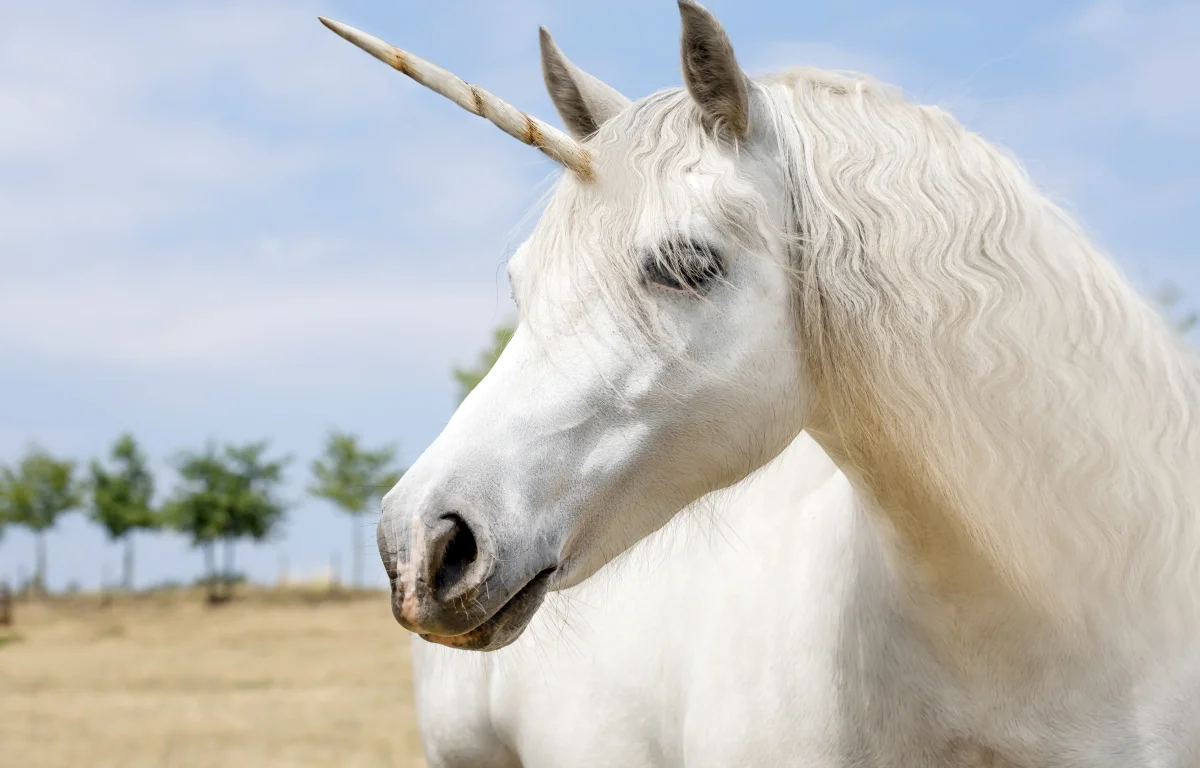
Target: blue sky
[218,220]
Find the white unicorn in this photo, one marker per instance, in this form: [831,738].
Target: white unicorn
[729,264]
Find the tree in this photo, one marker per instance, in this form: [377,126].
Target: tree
[351,477]
[469,378]
[40,490]
[223,496]
[121,499]
[200,505]
[258,511]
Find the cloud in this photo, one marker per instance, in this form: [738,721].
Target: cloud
[1144,59]
[163,170]
[1118,68]
[97,140]
[194,318]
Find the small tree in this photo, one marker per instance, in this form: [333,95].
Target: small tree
[224,496]
[199,506]
[257,511]
[40,490]
[352,477]
[121,500]
[469,378]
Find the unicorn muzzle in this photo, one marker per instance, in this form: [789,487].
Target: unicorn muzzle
[450,582]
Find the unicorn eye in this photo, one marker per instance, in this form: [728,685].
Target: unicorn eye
[684,266]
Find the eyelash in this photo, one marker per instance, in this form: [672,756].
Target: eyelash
[685,266]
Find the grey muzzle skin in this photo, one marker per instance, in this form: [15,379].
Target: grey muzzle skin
[448,585]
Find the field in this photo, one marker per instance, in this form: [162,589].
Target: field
[271,679]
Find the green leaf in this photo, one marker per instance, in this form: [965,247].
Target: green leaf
[38,491]
[121,498]
[1168,297]
[469,378]
[227,494]
[350,476]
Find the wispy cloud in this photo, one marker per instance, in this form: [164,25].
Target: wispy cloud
[98,138]
[160,169]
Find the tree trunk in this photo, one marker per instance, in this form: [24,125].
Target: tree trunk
[6,605]
[356,545]
[210,568]
[229,542]
[39,574]
[127,565]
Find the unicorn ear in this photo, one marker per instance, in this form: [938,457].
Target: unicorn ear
[711,71]
[584,102]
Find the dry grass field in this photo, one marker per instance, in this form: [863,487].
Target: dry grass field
[271,679]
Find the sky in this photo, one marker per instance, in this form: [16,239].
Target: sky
[219,221]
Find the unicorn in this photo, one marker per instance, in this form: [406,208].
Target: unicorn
[729,264]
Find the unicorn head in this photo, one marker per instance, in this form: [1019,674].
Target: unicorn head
[656,355]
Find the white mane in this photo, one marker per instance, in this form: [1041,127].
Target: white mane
[942,296]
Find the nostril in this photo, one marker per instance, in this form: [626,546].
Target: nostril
[459,553]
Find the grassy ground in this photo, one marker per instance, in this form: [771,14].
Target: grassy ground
[271,679]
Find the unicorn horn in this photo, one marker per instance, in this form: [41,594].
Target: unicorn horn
[528,129]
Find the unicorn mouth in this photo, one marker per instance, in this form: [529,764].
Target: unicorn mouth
[506,624]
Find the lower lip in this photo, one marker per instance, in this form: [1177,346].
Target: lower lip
[447,641]
[457,641]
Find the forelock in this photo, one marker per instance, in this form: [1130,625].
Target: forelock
[650,159]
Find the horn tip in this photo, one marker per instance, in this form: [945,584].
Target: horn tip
[371,45]
[336,27]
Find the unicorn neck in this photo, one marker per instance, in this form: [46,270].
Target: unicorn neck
[1024,422]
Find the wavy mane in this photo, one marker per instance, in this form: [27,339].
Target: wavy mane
[983,356]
